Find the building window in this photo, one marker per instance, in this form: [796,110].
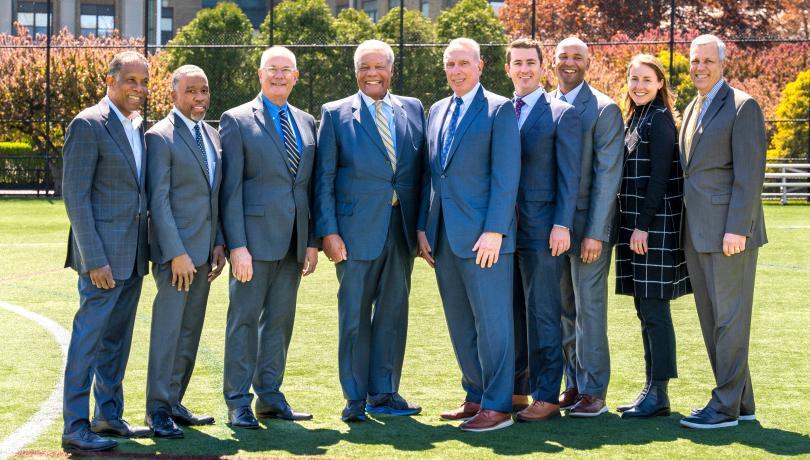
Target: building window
[34,16]
[166,24]
[393,4]
[255,10]
[98,20]
[425,6]
[370,7]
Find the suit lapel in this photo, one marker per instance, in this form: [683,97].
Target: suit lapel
[182,129]
[477,104]
[401,126]
[265,121]
[117,133]
[682,135]
[435,126]
[711,112]
[538,110]
[582,99]
[363,117]
[305,135]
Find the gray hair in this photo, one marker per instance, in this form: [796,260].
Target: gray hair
[184,70]
[274,51]
[122,58]
[463,43]
[370,46]
[707,39]
[572,41]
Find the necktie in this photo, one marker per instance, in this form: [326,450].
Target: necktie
[290,146]
[385,134]
[200,145]
[562,97]
[691,126]
[451,130]
[519,104]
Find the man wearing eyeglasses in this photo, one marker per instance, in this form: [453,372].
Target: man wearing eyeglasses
[268,149]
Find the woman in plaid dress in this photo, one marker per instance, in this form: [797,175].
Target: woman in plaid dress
[650,263]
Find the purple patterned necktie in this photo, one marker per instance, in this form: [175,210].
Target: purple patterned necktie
[519,104]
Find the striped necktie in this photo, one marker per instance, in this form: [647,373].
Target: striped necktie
[199,140]
[290,146]
[388,141]
[451,129]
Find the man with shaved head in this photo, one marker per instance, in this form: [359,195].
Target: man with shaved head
[183,176]
[587,263]
[268,151]
[368,175]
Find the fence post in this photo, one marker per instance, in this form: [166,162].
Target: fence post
[146,52]
[784,200]
[272,20]
[534,19]
[671,38]
[48,32]
[807,158]
[401,74]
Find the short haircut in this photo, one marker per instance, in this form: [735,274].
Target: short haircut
[122,58]
[370,46]
[463,43]
[707,39]
[572,41]
[274,51]
[526,44]
[184,70]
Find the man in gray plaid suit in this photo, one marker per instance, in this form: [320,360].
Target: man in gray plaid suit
[103,186]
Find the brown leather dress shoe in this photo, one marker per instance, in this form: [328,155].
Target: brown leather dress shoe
[588,406]
[487,420]
[539,411]
[519,402]
[568,398]
[465,411]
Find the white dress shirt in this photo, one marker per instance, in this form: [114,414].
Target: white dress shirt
[467,99]
[530,100]
[209,149]
[132,128]
[572,95]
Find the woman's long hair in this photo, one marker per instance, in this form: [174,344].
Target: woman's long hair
[664,94]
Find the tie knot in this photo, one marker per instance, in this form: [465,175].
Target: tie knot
[196,128]
[459,101]
[519,103]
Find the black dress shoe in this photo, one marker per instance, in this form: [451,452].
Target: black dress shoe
[708,418]
[281,411]
[355,411]
[85,440]
[654,403]
[391,404]
[120,428]
[242,417]
[163,425]
[182,416]
[635,402]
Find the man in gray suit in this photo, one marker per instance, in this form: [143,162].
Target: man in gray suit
[105,198]
[268,151]
[368,178]
[722,148]
[183,175]
[467,230]
[585,269]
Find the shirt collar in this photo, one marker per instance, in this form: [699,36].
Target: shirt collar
[531,99]
[134,118]
[713,92]
[189,122]
[467,98]
[370,102]
[571,95]
[274,109]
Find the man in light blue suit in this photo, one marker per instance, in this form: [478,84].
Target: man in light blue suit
[551,148]
[368,180]
[467,231]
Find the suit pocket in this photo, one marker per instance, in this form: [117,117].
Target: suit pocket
[254,210]
[721,199]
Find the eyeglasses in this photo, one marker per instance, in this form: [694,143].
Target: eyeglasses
[286,71]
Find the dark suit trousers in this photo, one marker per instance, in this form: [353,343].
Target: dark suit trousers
[261,314]
[724,296]
[658,337]
[177,322]
[521,339]
[373,316]
[479,317]
[99,348]
[540,273]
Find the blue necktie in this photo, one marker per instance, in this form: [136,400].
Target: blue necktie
[451,130]
[199,140]
[290,146]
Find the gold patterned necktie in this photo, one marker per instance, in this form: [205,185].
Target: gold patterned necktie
[691,127]
[388,141]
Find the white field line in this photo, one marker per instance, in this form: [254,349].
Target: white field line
[40,421]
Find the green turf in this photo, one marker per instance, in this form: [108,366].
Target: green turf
[32,235]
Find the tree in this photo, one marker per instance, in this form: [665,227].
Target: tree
[554,19]
[476,19]
[231,71]
[354,26]
[791,138]
[681,82]
[420,66]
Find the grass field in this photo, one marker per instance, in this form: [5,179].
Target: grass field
[32,246]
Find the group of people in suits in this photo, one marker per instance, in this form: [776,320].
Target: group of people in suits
[530,193]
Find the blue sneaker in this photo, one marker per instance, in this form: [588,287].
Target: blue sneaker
[391,404]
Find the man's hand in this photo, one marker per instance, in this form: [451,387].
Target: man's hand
[102,277]
[590,250]
[242,264]
[638,242]
[217,262]
[335,248]
[183,272]
[733,244]
[423,248]
[310,261]
[488,248]
[559,240]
